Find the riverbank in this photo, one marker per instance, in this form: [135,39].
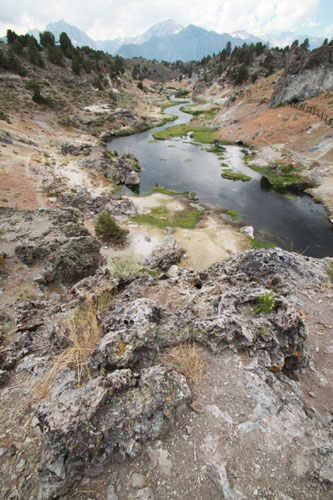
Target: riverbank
[36,174]
[284,134]
[213,238]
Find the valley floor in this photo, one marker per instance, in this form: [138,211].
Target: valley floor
[246,431]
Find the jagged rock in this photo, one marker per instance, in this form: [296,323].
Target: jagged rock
[112,202]
[306,75]
[75,150]
[165,255]
[132,178]
[85,426]
[55,238]
[130,403]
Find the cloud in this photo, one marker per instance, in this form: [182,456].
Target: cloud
[310,23]
[102,19]
[329,30]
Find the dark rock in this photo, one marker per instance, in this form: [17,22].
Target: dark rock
[84,427]
[55,239]
[165,255]
[72,149]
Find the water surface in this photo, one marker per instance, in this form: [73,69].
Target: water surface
[293,222]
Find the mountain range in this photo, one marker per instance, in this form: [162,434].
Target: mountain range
[169,41]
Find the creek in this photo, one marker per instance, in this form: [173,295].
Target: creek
[293,221]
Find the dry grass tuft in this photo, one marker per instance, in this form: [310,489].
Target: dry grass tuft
[82,332]
[188,359]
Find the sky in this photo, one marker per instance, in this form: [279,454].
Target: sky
[109,19]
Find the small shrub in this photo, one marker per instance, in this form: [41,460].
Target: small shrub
[124,269]
[188,360]
[107,229]
[265,303]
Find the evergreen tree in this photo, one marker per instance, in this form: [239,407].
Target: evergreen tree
[47,39]
[66,45]
[54,54]
[11,37]
[305,45]
[76,66]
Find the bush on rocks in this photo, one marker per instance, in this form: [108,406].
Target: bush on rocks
[108,230]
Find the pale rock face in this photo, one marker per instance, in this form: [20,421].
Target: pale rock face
[248,230]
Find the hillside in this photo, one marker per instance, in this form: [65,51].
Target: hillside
[163,355]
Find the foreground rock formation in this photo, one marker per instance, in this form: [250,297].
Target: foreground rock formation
[252,418]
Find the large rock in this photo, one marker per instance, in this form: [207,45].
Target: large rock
[122,170]
[54,240]
[135,399]
[306,75]
[112,202]
[75,150]
[114,414]
[165,255]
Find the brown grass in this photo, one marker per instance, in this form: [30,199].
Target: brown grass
[82,331]
[188,359]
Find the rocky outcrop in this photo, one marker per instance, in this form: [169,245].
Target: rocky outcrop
[112,203]
[76,150]
[116,122]
[113,414]
[165,255]
[306,75]
[130,398]
[53,240]
[122,170]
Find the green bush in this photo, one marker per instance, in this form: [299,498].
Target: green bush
[108,230]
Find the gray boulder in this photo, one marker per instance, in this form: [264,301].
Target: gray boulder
[165,255]
[84,427]
[55,239]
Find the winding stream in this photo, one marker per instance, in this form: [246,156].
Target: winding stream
[294,222]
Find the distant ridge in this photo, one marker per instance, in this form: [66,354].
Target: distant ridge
[169,41]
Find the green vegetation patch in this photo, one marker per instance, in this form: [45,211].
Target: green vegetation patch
[234,214]
[248,157]
[216,149]
[199,134]
[207,114]
[161,217]
[165,120]
[262,244]
[172,132]
[265,303]
[235,176]
[279,181]
[182,93]
[209,136]
[160,189]
[168,104]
